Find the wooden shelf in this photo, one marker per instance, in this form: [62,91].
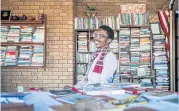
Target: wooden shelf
[133,26]
[33,23]
[135,63]
[22,22]
[22,43]
[85,52]
[80,73]
[82,63]
[23,67]
[92,29]
[138,77]
[121,26]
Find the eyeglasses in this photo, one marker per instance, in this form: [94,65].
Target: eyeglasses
[95,35]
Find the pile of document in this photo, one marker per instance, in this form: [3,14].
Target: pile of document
[4,33]
[160,62]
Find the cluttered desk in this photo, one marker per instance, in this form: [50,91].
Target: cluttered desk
[106,97]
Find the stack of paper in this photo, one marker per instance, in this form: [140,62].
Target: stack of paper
[14,34]
[25,56]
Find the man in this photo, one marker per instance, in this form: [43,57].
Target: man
[103,63]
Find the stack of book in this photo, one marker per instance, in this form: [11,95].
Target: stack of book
[26,34]
[114,46]
[134,50]
[160,62]
[145,32]
[124,45]
[11,56]
[25,56]
[39,34]
[97,21]
[38,56]
[145,44]
[134,14]
[83,58]
[4,33]
[14,34]
[125,70]
[82,42]
[116,78]
[81,68]
[3,55]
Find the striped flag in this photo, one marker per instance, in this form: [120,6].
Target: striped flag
[164,21]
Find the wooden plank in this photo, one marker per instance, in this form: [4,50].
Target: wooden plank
[21,22]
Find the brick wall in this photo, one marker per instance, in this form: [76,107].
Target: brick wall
[112,7]
[60,45]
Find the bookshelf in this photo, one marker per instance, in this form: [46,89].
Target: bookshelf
[23,43]
[138,17]
[135,55]
[86,53]
[87,47]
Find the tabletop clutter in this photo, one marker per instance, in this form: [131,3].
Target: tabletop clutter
[94,97]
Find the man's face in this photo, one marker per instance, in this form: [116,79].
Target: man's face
[100,38]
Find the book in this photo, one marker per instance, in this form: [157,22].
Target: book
[159,95]
[62,92]
[106,92]
[73,98]
[132,90]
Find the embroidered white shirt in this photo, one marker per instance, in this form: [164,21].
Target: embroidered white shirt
[107,74]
